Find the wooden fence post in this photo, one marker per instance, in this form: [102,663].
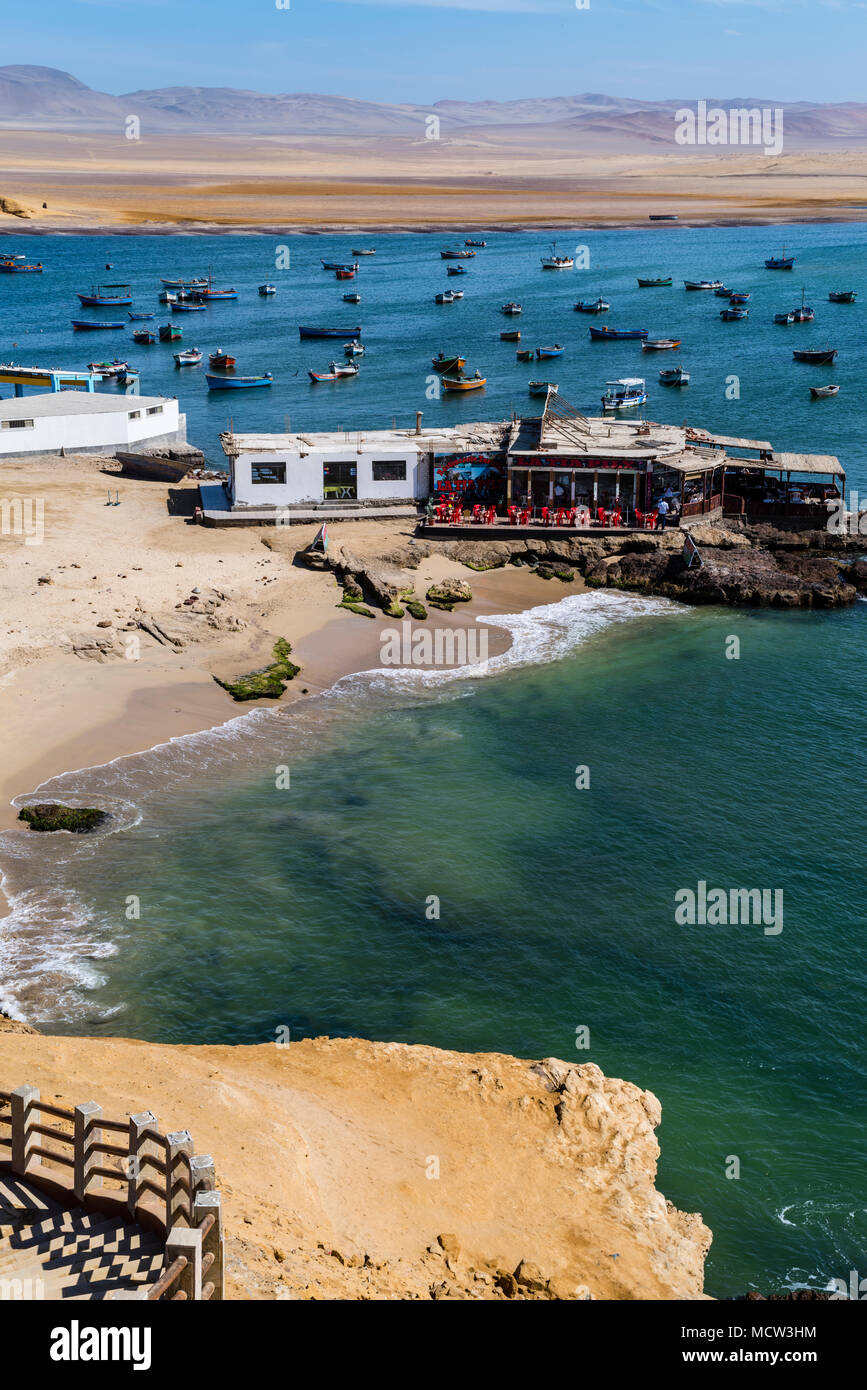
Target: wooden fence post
[210,1204]
[179,1202]
[87,1135]
[23,1119]
[181,1241]
[138,1148]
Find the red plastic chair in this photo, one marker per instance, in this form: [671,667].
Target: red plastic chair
[477,512]
[491,516]
[546,517]
[561,517]
[639,518]
[457,516]
[572,514]
[617,517]
[513,516]
[525,516]
[600,515]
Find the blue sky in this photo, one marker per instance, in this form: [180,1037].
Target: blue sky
[428,50]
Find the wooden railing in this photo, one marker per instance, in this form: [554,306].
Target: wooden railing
[157,1182]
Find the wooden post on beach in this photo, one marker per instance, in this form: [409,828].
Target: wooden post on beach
[210,1204]
[139,1148]
[179,1182]
[23,1120]
[86,1135]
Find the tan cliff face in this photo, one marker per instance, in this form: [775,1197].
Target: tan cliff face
[353,1169]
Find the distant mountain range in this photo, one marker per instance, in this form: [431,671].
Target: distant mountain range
[46,98]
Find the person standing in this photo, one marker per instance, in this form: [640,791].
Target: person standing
[661,513]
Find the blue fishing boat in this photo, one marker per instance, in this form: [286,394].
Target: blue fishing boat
[306,331]
[739,297]
[144,335]
[212,296]
[237,383]
[783,262]
[842,296]
[339,265]
[107,297]
[457,255]
[98,323]
[555,351]
[456,270]
[186,308]
[140,318]
[592,306]
[723,292]
[733,313]
[618,332]
[623,394]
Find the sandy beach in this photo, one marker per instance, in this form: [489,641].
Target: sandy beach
[63,705]
[517,178]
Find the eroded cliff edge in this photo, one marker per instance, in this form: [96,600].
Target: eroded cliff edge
[355,1169]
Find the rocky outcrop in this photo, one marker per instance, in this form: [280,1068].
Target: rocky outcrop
[363,1170]
[742,577]
[447,593]
[13,208]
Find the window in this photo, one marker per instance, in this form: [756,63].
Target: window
[388,471]
[17,424]
[155,410]
[267,473]
[339,481]
[135,414]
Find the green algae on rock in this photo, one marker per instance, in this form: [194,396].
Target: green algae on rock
[80,820]
[270,682]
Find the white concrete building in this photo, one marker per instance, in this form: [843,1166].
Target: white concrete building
[87,422]
[364,470]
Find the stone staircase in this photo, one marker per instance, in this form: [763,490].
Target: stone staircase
[49,1252]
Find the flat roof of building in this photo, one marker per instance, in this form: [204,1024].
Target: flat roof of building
[491,435]
[60,403]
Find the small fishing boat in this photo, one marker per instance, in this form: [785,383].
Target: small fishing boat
[815,356]
[788,317]
[511,308]
[624,393]
[107,297]
[353,298]
[723,292]
[804,314]
[654,284]
[733,313]
[345,273]
[456,270]
[19,265]
[464,383]
[618,333]
[168,297]
[306,331]
[139,318]
[739,297]
[186,308]
[144,336]
[198,282]
[215,296]
[222,361]
[265,290]
[190,357]
[842,296]
[339,265]
[703,284]
[663,217]
[783,262]
[555,351]
[820,392]
[367,251]
[354,349]
[107,370]
[445,297]
[469,242]
[237,383]
[336,370]
[441,363]
[98,323]
[660,344]
[457,255]
[525,355]
[127,376]
[555,262]
[511,335]
[674,376]
[170,333]
[541,388]
[592,306]
[457,294]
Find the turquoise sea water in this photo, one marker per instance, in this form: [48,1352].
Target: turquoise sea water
[309,906]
